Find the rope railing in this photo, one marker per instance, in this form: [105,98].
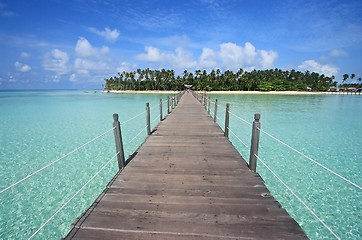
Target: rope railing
[311,159]
[290,147]
[241,119]
[255,155]
[70,199]
[55,161]
[157,118]
[137,135]
[238,138]
[219,106]
[299,199]
[132,118]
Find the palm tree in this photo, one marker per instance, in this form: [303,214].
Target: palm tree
[353,75]
[345,77]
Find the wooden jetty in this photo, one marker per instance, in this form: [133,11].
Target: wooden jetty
[186,181]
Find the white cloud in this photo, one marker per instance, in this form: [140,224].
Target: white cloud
[207,58]
[233,57]
[11,78]
[314,66]
[152,55]
[56,61]
[181,58]
[338,53]
[267,58]
[22,67]
[24,55]
[85,66]
[91,64]
[126,67]
[229,56]
[73,77]
[84,49]
[108,34]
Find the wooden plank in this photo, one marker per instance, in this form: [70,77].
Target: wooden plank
[187,182]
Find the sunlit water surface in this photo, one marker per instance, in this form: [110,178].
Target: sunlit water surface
[38,127]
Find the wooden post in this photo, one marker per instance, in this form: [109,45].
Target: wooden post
[168,104]
[208,105]
[215,112]
[118,142]
[161,117]
[226,132]
[148,119]
[173,101]
[254,142]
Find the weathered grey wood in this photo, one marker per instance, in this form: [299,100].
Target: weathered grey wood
[168,104]
[118,141]
[208,105]
[186,182]
[161,117]
[215,111]
[255,135]
[148,121]
[227,111]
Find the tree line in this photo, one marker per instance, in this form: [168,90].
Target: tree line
[348,85]
[256,80]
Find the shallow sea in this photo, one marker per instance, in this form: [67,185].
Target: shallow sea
[38,127]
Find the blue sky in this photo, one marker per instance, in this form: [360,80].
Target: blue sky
[61,44]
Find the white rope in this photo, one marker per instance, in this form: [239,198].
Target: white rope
[66,203]
[133,118]
[241,118]
[156,118]
[55,161]
[312,160]
[238,138]
[223,123]
[137,135]
[155,105]
[299,199]
[221,107]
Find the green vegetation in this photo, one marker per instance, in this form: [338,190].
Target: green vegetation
[350,85]
[256,80]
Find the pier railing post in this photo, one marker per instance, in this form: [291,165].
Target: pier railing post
[208,105]
[118,141]
[255,134]
[161,117]
[226,132]
[168,104]
[215,112]
[173,101]
[148,119]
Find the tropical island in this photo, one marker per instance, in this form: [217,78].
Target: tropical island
[256,80]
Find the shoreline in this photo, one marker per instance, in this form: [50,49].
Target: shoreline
[270,92]
[224,92]
[141,92]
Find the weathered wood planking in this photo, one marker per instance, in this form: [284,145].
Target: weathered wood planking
[187,182]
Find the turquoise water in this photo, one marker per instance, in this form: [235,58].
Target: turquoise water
[38,127]
[326,128]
